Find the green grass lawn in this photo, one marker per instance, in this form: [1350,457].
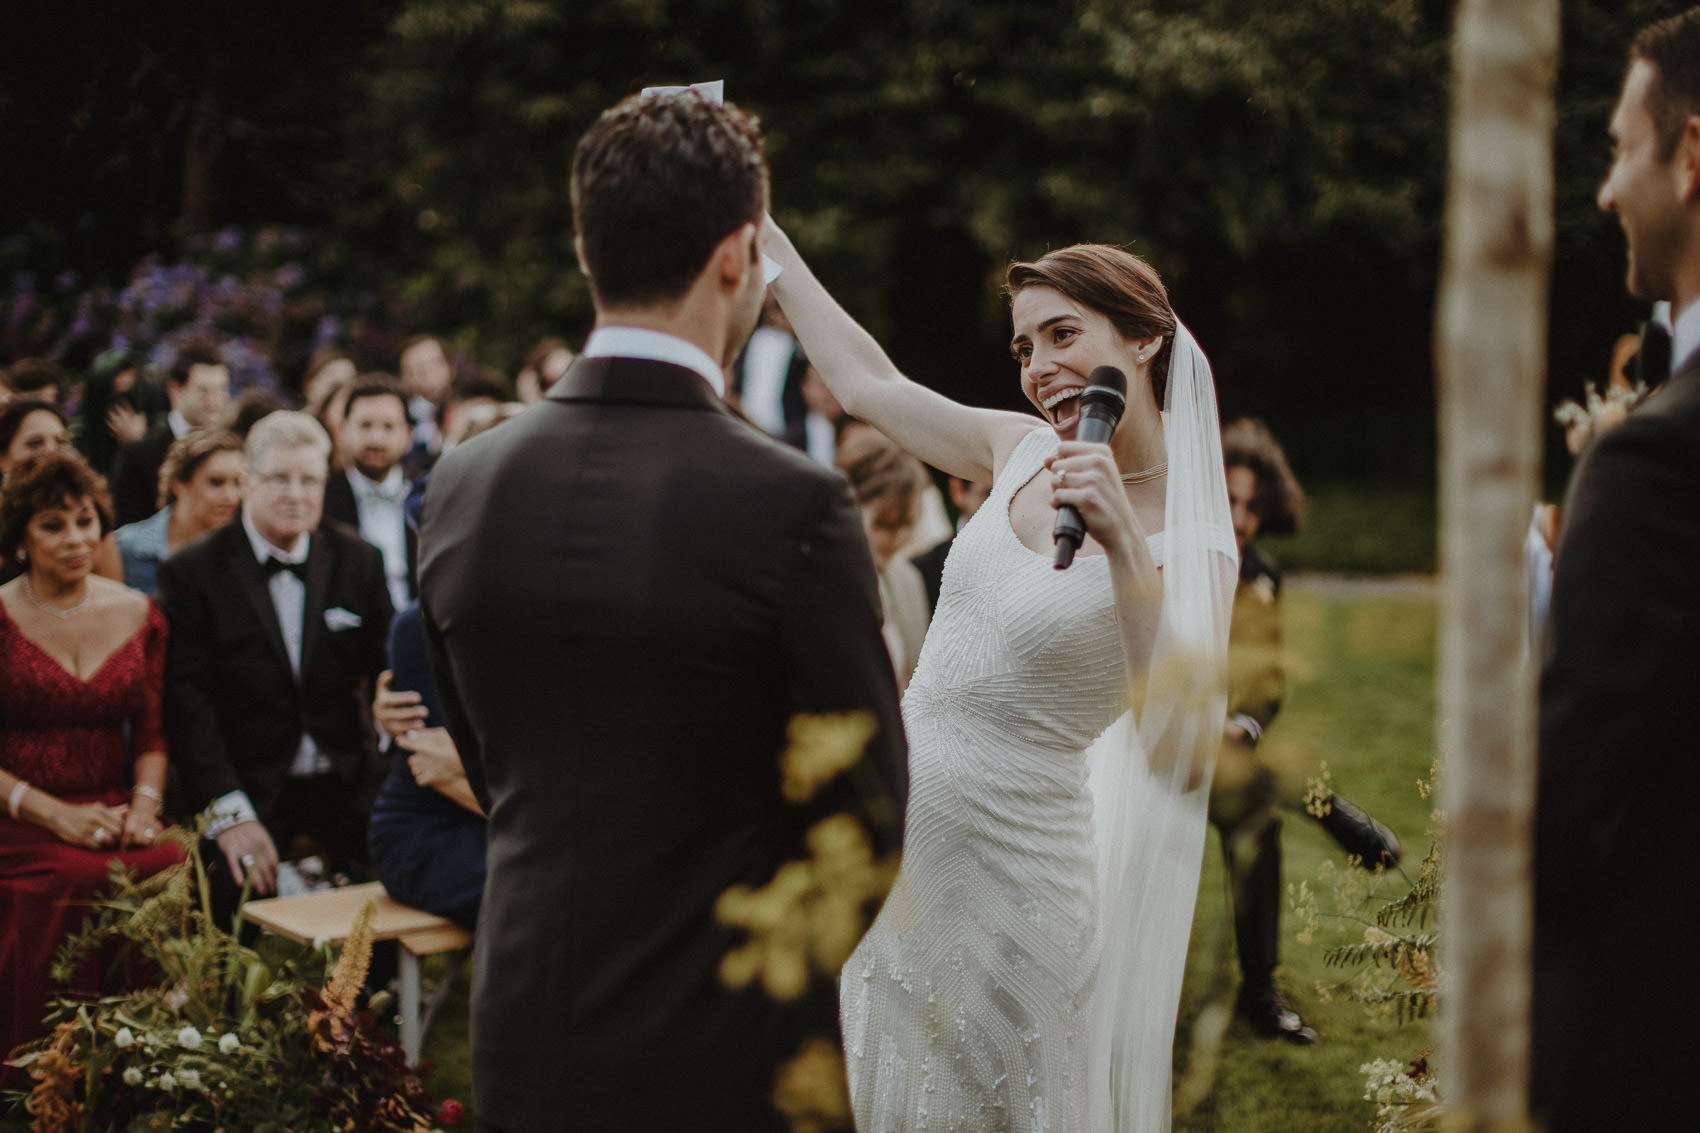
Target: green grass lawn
[1361,698]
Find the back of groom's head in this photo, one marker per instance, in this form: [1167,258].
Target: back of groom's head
[657,184]
[1672,47]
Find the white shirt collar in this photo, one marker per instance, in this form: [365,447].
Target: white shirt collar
[389,488]
[179,424]
[640,342]
[1685,336]
[263,549]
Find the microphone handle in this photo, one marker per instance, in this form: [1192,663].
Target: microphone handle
[1070,529]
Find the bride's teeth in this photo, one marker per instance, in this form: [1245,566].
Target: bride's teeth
[1060,396]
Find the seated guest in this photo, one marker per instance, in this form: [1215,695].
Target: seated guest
[888,483]
[426,374]
[967,497]
[82,747]
[198,387]
[470,401]
[37,378]
[427,831]
[370,493]
[329,368]
[255,403]
[278,626]
[544,365]
[30,427]
[200,488]
[116,408]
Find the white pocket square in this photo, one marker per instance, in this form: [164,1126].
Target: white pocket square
[337,618]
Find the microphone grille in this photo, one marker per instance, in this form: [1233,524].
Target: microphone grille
[1105,385]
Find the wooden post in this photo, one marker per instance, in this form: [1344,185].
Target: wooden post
[1491,354]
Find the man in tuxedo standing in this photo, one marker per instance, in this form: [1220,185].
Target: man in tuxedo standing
[198,387]
[630,593]
[1616,1019]
[278,627]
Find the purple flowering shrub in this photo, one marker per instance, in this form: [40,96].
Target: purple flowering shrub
[252,292]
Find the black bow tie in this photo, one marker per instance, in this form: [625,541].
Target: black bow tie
[1652,364]
[273,564]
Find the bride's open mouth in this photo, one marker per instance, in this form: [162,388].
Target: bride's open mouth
[1062,406]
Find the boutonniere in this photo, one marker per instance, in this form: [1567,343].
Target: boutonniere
[337,618]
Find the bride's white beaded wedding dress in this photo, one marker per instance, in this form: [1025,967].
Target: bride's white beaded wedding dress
[965,1008]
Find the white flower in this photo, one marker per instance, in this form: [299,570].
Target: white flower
[132,1076]
[124,1040]
[189,1079]
[189,1038]
[167,1082]
[228,1043]
[177,997]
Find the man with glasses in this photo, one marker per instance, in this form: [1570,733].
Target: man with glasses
[277,637]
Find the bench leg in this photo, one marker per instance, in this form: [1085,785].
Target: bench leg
[412,1034]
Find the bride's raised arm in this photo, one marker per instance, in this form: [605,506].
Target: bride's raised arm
[957,439]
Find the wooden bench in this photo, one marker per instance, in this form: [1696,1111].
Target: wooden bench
[328,915]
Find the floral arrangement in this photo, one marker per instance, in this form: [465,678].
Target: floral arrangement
[1596,413]
[228,1036]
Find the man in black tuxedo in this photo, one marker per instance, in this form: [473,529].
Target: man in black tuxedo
[198,387]
[630,592]
[1616,1020]
[371,495]
[277,638]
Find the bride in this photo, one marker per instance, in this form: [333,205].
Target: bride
[1024,973]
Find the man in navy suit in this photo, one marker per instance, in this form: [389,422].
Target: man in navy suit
[278,629]
[1616,1019]
[630,593]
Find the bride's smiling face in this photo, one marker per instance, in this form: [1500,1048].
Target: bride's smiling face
[1058,343]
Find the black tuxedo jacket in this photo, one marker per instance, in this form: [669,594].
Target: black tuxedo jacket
[235,712]
[1616,1007]
[343,508]
[629,592]
[135,475]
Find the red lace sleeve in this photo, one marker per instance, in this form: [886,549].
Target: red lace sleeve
[148,729]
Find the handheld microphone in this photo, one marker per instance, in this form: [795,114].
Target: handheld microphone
[1101,408]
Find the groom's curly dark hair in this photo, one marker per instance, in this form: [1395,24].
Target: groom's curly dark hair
[657,183]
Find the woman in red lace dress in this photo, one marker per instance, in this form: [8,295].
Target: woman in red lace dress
[80,657]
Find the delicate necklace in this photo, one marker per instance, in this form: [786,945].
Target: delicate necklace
[1145,475]
[29,592]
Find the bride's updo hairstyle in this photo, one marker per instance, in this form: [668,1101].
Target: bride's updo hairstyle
[1115,283]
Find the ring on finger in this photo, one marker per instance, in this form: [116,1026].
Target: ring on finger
[248,861]
[150,833]
[1062,477]
[100,836]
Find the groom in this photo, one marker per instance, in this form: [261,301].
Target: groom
[630,591]
[1616,1010]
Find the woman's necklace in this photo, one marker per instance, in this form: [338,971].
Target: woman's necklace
[29,592]
[1145,475]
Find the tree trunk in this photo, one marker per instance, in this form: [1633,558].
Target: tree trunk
[1491,360]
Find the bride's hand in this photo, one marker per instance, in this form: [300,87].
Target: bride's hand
[1085,477]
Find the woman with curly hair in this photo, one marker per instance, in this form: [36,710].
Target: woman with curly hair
[82,748]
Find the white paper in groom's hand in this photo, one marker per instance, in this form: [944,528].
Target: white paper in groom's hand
[715,92]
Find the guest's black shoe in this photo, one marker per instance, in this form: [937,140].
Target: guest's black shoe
[1271,1016]
[1360,835]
